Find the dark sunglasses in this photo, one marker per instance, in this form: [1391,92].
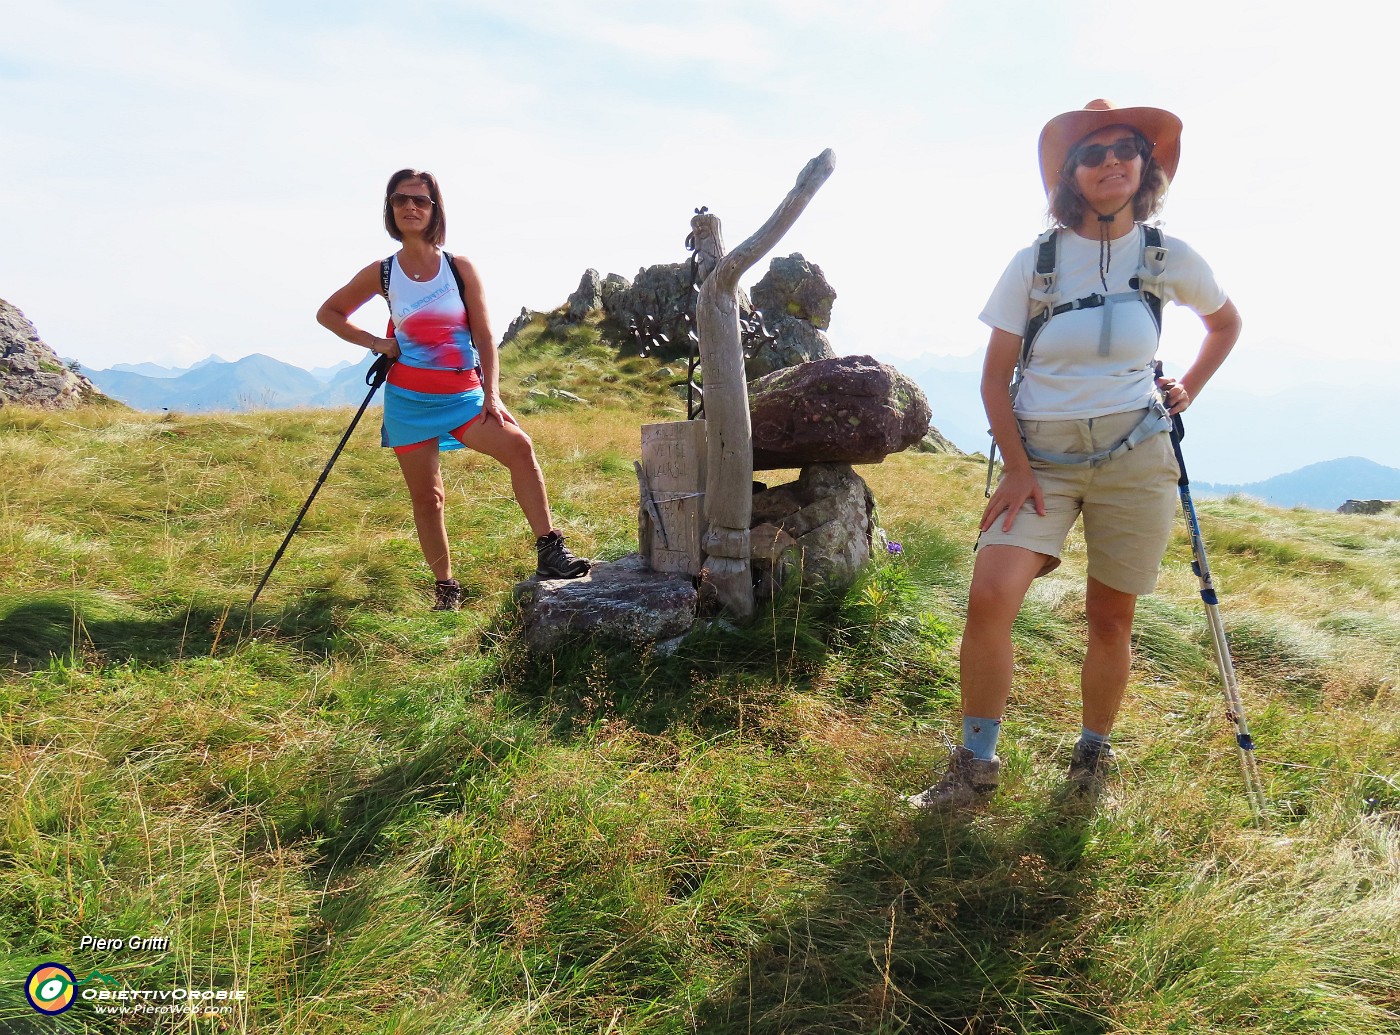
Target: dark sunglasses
[1091,156]
[401,200]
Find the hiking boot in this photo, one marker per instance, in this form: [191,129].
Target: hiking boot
[447,596]
[1090,766]
[556,561]
[969,781]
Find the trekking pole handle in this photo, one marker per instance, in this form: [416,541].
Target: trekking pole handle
[379,371]
[1178,433]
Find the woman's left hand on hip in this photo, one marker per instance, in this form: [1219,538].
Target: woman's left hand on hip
[1174,394]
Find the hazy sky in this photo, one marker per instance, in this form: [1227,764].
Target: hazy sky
[180,179]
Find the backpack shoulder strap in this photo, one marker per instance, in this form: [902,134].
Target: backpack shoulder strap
[457,276]
[461,290]
[1047,253]
[1151,273]
[385,267]
[1043,293]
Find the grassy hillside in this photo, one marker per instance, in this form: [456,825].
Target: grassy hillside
[376,819]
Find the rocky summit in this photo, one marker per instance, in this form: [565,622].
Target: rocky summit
[31,374]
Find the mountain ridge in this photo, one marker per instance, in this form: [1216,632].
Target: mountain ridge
[1323,486]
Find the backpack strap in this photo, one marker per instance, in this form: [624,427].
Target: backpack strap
[1043,293]
[461,290]
[1150,279]
[461,287]
[385,268]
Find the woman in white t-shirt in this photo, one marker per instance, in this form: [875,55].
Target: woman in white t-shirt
[1087,431]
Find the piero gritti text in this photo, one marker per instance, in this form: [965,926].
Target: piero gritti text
[156,944]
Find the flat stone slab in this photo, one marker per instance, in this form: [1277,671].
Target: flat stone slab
[618,600]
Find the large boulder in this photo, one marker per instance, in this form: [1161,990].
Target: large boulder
[31,373]
[620,600]
[821,525]
[795,287]
[795,341]
[848,410]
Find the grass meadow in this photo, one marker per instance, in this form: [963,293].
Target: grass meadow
[376,819]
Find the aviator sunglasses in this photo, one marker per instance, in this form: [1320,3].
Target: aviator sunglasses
[1091,156]
[421,200]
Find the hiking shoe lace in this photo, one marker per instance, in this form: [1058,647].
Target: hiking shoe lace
[447,596]
[1090,766]
[969,781]
[556,561]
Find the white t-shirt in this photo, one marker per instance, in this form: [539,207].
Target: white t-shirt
[1068,378]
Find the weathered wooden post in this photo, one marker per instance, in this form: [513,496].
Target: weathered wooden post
[671,478]
[729,470]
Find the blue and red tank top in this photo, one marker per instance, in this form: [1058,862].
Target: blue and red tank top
[430,320]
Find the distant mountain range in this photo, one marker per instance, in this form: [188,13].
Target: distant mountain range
[255,382]
[1238,440]
[1325,486]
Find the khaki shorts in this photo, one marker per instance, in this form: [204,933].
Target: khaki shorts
[1129,502]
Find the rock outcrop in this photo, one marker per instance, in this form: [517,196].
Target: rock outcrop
[849,410]
[586,298]
[662,292]
[31,373]
[1369,507]
[796,308]
[518,324]
[795,341]
[795,287]
[936,442]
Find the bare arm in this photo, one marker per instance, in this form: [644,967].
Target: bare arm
[1222,331]
[1018,482]
[479,323]
[334,314]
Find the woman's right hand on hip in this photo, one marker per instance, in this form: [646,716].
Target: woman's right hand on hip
[1015,487]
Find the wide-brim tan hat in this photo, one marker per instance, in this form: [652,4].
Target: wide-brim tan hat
[1160,128]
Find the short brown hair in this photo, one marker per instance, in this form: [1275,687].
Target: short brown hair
[436,232]
[1068,207]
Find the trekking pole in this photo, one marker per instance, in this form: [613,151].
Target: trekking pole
[1234,706]
[374,377]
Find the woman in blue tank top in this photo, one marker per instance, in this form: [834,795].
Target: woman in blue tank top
[443,391]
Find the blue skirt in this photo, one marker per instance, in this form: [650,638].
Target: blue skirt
[422,405]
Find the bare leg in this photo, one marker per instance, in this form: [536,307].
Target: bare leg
[1109,654]
[1000,579]
[510,445]
[423,476]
